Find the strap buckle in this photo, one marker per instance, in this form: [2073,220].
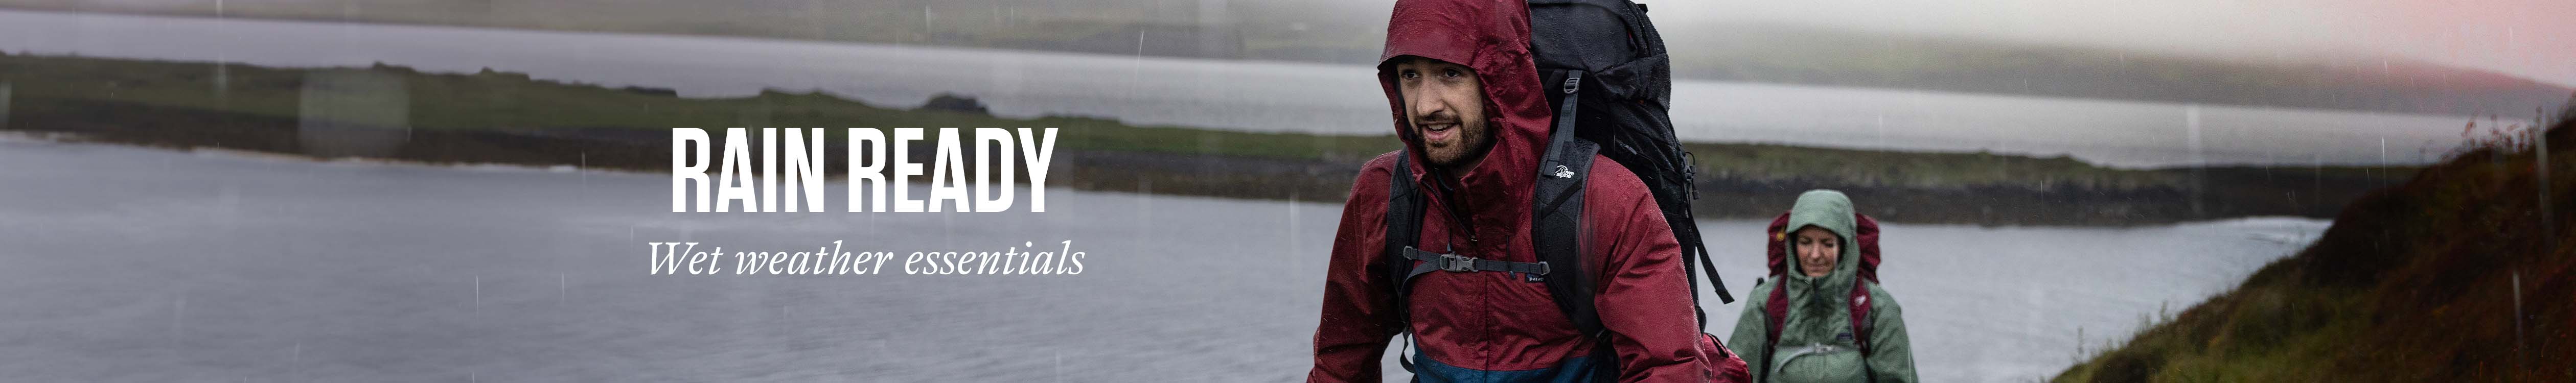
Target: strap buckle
[1457,263]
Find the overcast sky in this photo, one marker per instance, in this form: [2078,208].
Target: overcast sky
[2530,38]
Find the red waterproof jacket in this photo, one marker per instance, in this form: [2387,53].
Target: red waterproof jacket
[1494,326]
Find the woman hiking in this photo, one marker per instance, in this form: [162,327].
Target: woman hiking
[1820,337]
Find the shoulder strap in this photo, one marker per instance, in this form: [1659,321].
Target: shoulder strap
[1403,229]
[1556,225]
[1860,303]
[1775,312]
[1558,211]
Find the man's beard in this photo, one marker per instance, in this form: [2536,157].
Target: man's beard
[1477,142]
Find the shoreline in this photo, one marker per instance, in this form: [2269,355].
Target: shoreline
[1228,176]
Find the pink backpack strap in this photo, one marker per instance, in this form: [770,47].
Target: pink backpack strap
[1860,303]
[1776,308]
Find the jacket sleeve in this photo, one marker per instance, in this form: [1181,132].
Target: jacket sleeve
[1644,299]
[1358,312]
[1891,355]
[1752,337]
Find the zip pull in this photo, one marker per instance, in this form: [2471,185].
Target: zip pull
[1464,222]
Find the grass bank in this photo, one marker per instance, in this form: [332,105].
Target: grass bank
[2463,273]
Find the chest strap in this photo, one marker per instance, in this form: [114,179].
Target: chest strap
[1533,271]
[1792,353]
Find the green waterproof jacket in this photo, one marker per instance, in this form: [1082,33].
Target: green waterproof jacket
[1816,342]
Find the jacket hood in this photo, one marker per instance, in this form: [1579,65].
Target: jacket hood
[1491,37]
[1832,211]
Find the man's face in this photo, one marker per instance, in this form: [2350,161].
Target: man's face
[1444,104]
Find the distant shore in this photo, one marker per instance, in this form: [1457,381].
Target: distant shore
[509,118]
[1771,53]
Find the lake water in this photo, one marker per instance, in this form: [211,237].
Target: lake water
[143,265]
[1259,96]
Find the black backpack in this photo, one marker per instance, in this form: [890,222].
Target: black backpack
[1614,84]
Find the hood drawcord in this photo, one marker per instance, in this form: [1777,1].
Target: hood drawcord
[1439,185]
[1449,203]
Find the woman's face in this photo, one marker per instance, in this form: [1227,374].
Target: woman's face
[1817,249]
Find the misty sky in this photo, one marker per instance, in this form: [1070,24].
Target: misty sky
[2530,38]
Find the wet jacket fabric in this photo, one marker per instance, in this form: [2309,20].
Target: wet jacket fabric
[1816,342]
[1494,326]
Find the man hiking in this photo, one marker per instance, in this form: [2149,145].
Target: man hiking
[1470,109]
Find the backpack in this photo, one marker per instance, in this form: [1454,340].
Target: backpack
[1614,90]
[1776,307]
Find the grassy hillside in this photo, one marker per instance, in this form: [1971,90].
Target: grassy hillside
[2463,274]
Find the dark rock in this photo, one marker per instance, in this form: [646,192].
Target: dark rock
[666,92]
[955,103]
